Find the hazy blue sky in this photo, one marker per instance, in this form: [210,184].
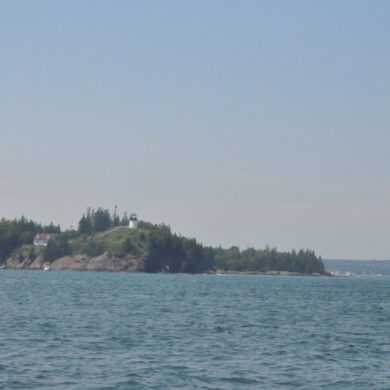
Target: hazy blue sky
[236,122]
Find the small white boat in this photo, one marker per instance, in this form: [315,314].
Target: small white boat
[46,268]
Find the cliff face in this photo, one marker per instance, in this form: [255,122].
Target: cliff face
[103,262]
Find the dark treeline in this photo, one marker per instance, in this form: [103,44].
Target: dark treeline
[172,253]
[57,247]
[17,232]
[94,221]
[167,251]
[163,250]
[268,259]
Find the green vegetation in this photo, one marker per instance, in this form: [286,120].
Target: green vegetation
[94,221]
[18,232]
[57,247]
[264,260]
[118,242]
[172,253]
[163,251]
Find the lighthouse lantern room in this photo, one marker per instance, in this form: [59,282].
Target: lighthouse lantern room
[133,222]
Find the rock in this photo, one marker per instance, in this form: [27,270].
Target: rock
[37,263]
[15,263]
[75,263]
[103,262]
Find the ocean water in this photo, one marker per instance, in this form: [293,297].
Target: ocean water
[75,330]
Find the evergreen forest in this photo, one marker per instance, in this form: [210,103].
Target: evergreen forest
[100,231]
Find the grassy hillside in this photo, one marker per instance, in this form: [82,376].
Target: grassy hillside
[163,251]
[117,242]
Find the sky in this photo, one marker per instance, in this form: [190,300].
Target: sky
[247,123]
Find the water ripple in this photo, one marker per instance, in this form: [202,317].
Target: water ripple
[69,330]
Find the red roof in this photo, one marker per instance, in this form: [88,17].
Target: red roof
[44,236]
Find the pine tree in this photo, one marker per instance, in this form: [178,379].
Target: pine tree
[31,254]
[101,220]
[125,219]
[85,225]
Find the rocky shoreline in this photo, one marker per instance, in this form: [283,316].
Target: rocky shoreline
[280,273]
[102,263]
[107,263]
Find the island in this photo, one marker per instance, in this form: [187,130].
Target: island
[105,242]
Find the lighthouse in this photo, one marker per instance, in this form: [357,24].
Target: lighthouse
[133,222]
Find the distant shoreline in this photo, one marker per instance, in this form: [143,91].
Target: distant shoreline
[130,264]
[273,273]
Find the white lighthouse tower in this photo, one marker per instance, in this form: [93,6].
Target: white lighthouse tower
[133,222]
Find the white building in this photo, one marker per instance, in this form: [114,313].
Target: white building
[133,223]
[41,239]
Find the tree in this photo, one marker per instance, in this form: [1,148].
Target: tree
[9,240]
[94,248]
[125,219]
[115,218]
[129,247]
[85,225]
[101,219]
[52,229]
[57,247]
[31,254]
